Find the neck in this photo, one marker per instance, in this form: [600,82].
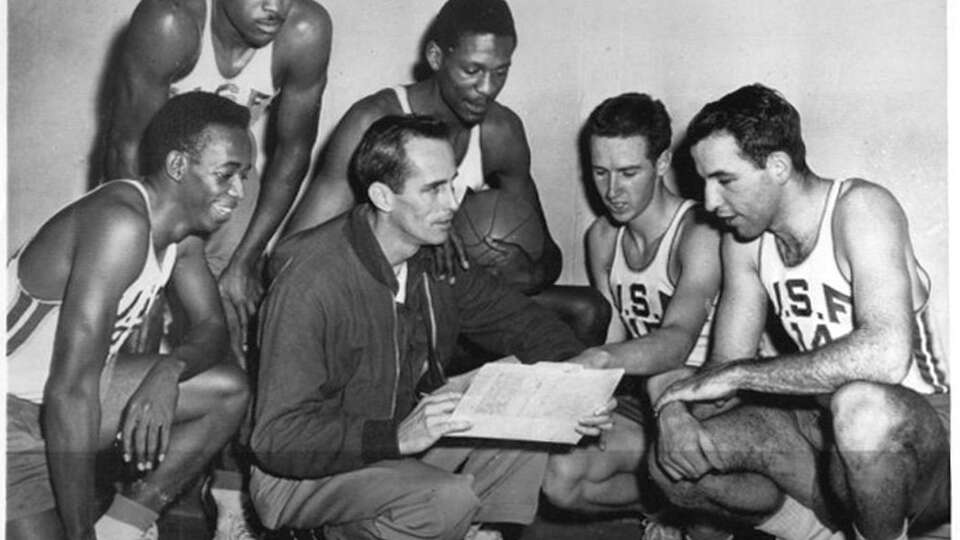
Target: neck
[655,218]
[801,207]
[395,247]
[169,222]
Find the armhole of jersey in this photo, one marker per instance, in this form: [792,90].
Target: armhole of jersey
[842,187]
[679,229]
[402,98]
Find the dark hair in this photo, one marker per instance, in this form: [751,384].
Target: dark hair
[458,18]
[761,121]
[629,115]
[181,123]
[381,155]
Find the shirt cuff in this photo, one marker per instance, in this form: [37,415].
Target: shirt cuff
[379,441]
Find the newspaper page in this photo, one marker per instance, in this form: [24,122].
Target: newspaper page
[539,402]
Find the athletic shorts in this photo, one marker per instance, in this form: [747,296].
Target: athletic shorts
[29,491]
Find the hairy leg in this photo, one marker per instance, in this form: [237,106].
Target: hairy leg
[583,308]
[760,454]
[209,409]
[600,477]
[890,447]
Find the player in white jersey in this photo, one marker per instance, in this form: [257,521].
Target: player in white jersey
[268,55]
[656,259]
[835,261]
[77,288]
[469,50]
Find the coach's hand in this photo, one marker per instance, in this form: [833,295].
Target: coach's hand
[148,418]
[448,255]
[429,421]
[683,446]
[601,420]
[240,293]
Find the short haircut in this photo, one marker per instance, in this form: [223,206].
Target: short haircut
[630,115]
[759,119]
[181,124]
[458,18]
[381,155]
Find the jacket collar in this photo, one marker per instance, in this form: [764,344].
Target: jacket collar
[360,236]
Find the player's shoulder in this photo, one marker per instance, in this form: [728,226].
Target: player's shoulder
[602,229]
[115,214]
[501,122]
[168,25]
[697,222]
[308,26]
[859,193]
[372,107]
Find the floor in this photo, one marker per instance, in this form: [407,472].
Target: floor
[185,521]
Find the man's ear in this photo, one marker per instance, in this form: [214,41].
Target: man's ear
[175,165]
[779,165]
[663,162]
[381,196]
[434,55]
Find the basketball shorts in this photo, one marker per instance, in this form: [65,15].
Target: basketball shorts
[29,491]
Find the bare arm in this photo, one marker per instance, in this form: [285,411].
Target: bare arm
[101,269]
[159,43]
[601,245]
[667,347]
[507,157]
[205,344]
[871,230]
[305,52]
[329,194]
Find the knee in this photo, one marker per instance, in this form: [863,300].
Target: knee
[561,481]
[866,416]
[453,504]
[230,387]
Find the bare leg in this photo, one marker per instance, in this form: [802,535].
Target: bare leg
[761,454]
[891,446]
[209,409]
[592,479]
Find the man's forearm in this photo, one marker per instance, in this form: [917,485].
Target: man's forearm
[278,189]
[205,346]
[71,424]
[821,371]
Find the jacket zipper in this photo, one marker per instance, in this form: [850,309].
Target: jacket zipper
[396,358]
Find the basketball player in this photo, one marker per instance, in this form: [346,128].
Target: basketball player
[270,56]
[357,331]
[657,261]
[469,51]
[76,290]
[834,261]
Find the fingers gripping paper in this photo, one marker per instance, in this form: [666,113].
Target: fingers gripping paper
[540,402]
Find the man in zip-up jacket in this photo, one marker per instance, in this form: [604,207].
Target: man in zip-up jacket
[355,330]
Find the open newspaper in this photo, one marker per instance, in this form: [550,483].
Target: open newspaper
[539,402]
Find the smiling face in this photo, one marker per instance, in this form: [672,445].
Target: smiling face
[422,211]
[742,195]
[213,177]
[257,21]
[625,177]
[471,75]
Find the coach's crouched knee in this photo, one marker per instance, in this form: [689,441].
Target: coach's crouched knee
[449,510]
